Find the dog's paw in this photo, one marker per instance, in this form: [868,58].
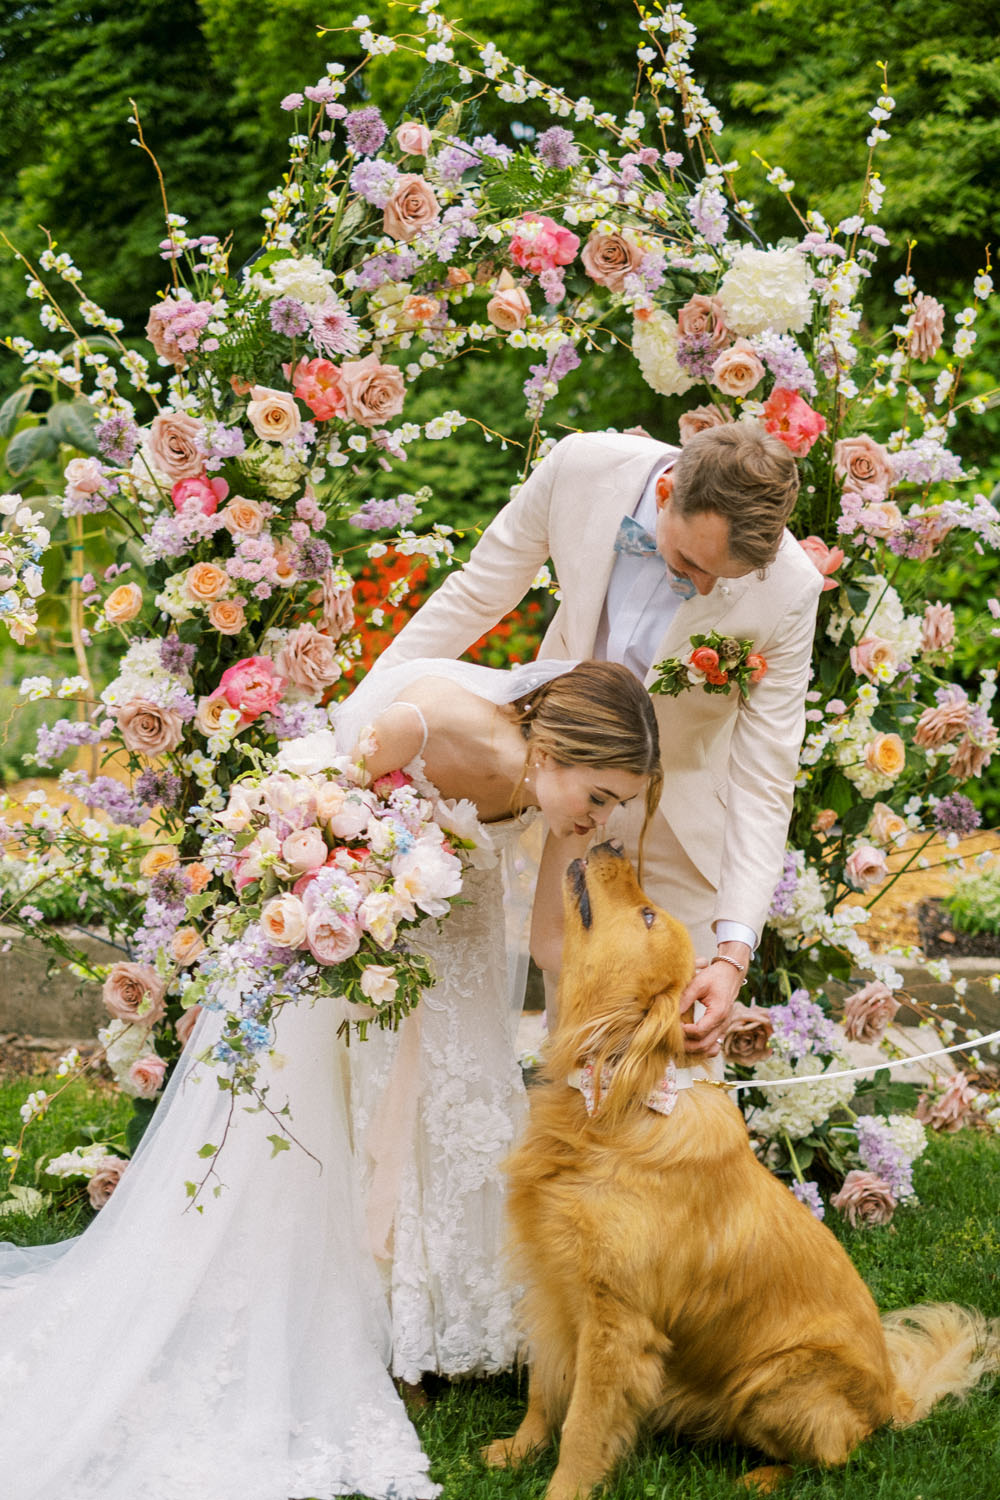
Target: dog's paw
[766,1479]
[500,1454]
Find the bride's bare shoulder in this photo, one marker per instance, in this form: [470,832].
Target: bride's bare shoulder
[444,702]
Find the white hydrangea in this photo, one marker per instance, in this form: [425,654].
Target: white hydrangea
[142,675]
[807,907]
[766,291]
[654,344]
[883,616]
[798,1108]
[908,1135]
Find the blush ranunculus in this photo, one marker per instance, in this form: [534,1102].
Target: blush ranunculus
[252,686]
[539,244]
[826,559]
[209,493]
[792,421]
[316,382]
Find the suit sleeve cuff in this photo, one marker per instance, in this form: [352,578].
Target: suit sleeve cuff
[735,932]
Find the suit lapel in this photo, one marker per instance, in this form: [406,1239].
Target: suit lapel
[699,616]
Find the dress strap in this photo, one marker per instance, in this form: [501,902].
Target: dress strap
[402,703]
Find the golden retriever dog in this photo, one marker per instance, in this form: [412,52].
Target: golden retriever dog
[671,1280]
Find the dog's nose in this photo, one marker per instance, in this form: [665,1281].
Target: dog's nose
[613,846]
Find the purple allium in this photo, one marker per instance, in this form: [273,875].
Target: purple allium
[379,515]
[695,355]
[375,181]
[175,656]
[118,439]
[161,787]
[366,130]
[313,558]
[289,316]
[808,1193]
[557,148]
[957,814]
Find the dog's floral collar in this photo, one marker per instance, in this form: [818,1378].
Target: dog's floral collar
[715,663]
[662,1098]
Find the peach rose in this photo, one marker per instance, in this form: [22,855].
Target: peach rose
[146,1076]
[826,559]
[457,276]
[925,329]
[309,659]
[227,616]
[866,867]
[273,415]
[868,1012]
[173,444]
[413,139]
[824,820]
[886,826]
[864,1199]
[186,1024]
[748,1038]
[210,711]
[704,316]
[509,306]
[186,945]
[197,876]
[609,258]
[160,858]
[283,921]
[737,369]
[105,1179]
[204,582]
[699,419]
[373,392]
[331,938]
[870,655]
[285,570]
[886,754]
[304,851]
[134,992]
[411,208]
[123,603]
[950,1111]
[943,723]
[938,628]
[863,464]
[415,310]
[148,729]
[243,517]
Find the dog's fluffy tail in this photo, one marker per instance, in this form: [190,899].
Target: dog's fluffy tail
[937,1350]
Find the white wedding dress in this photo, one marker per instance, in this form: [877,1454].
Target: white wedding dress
[237,1350]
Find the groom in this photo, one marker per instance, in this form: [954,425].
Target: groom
[652,544]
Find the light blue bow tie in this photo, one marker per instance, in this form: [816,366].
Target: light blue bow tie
[635,541]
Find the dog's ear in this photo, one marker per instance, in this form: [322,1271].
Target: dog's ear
[657,1040]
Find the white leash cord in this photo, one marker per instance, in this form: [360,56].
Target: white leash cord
[899,1062]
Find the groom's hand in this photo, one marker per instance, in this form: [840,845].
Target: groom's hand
[716,986]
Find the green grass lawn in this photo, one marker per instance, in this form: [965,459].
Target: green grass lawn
[947,1249]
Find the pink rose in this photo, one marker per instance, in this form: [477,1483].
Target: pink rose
[609,258]
[412,208]
[699,418]
[145,1076]
[251,685]
[210,711]
[208,493]
[304,851]
[316,382]
[373,392]
[332,938]
[338,605]
[84,477]
[413,139]
[868,1012]
[885,826]
[939,628]
[104,1181]
[134,992]
[864,1199]
[186,1024]
[943,723]
[173,445]
[925,328]
[792,421]
[864,465]
[866,867]
[243,517]
[308,658]
[950,1111]
[826,559]
[970,759]
[737,370]
[539,244]
[509,306]
[871,654]
[148,729]
[704,316]
[748,1038]
[273,414]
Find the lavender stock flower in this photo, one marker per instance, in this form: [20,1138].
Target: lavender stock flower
[378,515]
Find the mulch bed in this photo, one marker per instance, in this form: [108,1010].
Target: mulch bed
[939,939]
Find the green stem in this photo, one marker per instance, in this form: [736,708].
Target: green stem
[792,1157]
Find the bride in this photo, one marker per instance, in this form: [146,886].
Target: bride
[238,1350]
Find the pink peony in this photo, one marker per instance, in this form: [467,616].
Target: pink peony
[332,938]
[925,328]
[938,629]
[145,1076]
[827,559]
[134,992]
[251,685]
[317,383]
[209,493]
[540,244]
[866,867]
[863,465]
[864,1199]
[373,392]
[950,1111]
[868,1012]
[104,1181]
[792,421]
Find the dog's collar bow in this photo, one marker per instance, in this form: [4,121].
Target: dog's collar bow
[662,1098]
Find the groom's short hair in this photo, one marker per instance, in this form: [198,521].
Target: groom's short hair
[744,475]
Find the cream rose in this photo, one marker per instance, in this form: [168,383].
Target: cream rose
[243,517]
[509,306]
[737,370]
[134,992]
[124,603]
[173,443]
[283,921]
[866,867]
[273,415]
[609,258]
[204,582]
[158,859]
[304,850]
[209,713]
[373,392]
[886,754]
[412,207]
[105,1179]
[886,826]
[148,729]
[309,659]
[227,616]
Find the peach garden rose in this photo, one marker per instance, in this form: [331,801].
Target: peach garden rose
[272,414]
[173,444]
[123,603]
[134,992]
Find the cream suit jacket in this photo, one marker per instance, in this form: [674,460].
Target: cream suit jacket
[729,766]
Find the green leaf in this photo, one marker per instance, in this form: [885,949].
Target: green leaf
[142,1112]
[279,1143]
[207,1150]
[13,407]
[74,424]
[28,447]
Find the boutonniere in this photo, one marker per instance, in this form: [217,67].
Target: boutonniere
[716,663]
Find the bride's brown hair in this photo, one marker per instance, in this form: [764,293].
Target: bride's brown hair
[596,714]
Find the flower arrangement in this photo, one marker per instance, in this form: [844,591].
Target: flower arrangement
[716,663]
[280,414]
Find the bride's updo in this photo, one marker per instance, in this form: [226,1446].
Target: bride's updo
[596,714]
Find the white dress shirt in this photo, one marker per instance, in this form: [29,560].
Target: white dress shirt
[638,608]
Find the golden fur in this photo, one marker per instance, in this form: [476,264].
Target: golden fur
[672,1281]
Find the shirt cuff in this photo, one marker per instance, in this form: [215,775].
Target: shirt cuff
[735,932]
